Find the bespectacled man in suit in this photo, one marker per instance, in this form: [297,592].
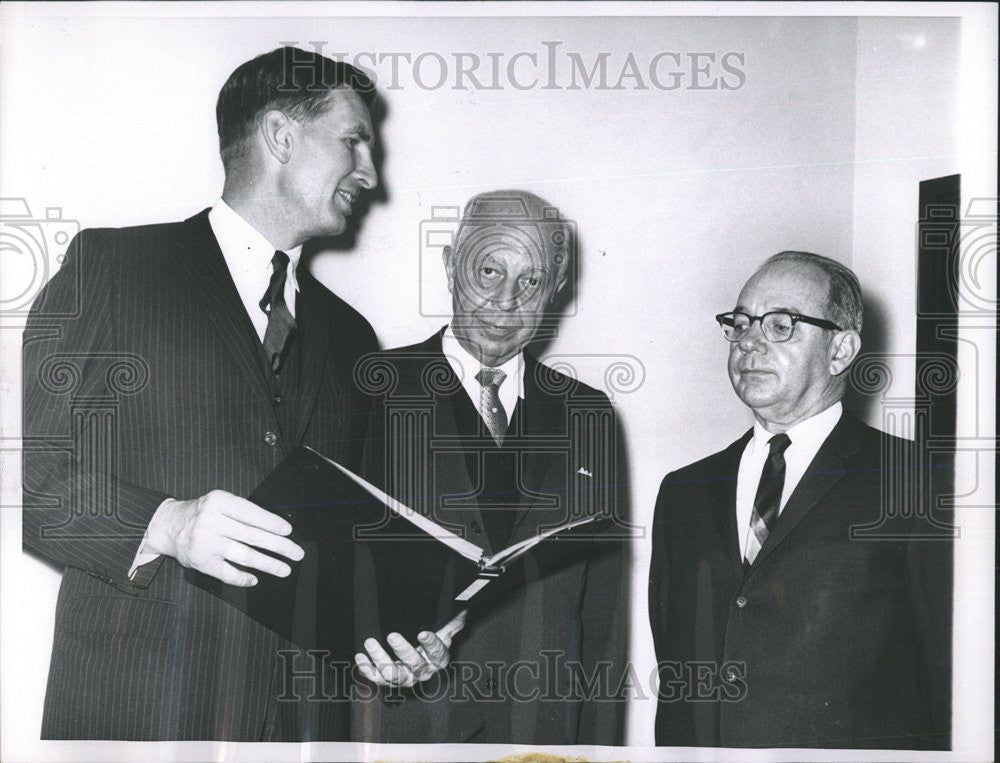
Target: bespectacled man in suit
[794,597]
[213,355]
[471,430]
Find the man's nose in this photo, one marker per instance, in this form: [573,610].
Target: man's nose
[507,297]
[753,339]
[364,170]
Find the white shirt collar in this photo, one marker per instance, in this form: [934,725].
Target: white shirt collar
[807,437]
[245,248]
[811,432]
[466,367]
[248,257]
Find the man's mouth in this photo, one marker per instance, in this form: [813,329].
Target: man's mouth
[347,198]
[497,327]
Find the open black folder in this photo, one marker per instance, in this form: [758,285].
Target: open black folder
[372,566]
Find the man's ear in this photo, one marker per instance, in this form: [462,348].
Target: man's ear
[448,256]
[843,350]
[276,133]
[561,266]
[559,286]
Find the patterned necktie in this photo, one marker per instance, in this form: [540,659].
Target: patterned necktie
[490,407]
[280,323]
[768,500]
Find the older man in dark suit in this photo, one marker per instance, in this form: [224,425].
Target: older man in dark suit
[486,440]
[794,596]
[167,369]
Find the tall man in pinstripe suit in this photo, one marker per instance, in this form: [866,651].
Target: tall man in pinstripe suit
[167,369]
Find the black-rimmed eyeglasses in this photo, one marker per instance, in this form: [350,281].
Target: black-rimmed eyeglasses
[778,326]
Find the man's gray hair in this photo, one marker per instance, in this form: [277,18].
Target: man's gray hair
[844,299]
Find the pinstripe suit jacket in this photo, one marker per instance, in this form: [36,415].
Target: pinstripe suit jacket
[516,668]
[144,379]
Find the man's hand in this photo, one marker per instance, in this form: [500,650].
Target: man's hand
[212,532]
[413,665]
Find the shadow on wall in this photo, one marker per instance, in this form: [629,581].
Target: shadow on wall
[874,341]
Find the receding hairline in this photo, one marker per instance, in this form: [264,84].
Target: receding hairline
[535,204]
[838,277]
[773,264]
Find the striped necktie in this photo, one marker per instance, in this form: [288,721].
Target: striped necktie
[768,499]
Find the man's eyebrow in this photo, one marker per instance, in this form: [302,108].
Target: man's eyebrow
[361,131]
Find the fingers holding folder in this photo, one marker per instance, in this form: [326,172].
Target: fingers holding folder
[218,530]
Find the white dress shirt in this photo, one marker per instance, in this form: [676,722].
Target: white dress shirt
[466,367]
[806,438]
[248,257]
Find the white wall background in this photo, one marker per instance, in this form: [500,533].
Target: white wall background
[108,113]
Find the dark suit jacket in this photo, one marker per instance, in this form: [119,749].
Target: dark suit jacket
[569,620]
[144,379]
[832,640]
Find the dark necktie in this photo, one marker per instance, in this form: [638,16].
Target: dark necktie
[768,500]
[490,407]
[280,323]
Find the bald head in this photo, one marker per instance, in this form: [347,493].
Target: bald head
[844,302]
[520,219]
[511,255]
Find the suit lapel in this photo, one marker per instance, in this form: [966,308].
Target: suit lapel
[202,264]
[314,334]
[826,470]
[536,415]
[454,413]
[722,497]
[541,420]
[450,414]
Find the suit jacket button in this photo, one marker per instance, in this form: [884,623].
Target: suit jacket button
[730,675]
[271,439]
[278,400]
[741,601]
[475,528]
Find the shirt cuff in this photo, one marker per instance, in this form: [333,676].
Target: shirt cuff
[142,558]
[145,555]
